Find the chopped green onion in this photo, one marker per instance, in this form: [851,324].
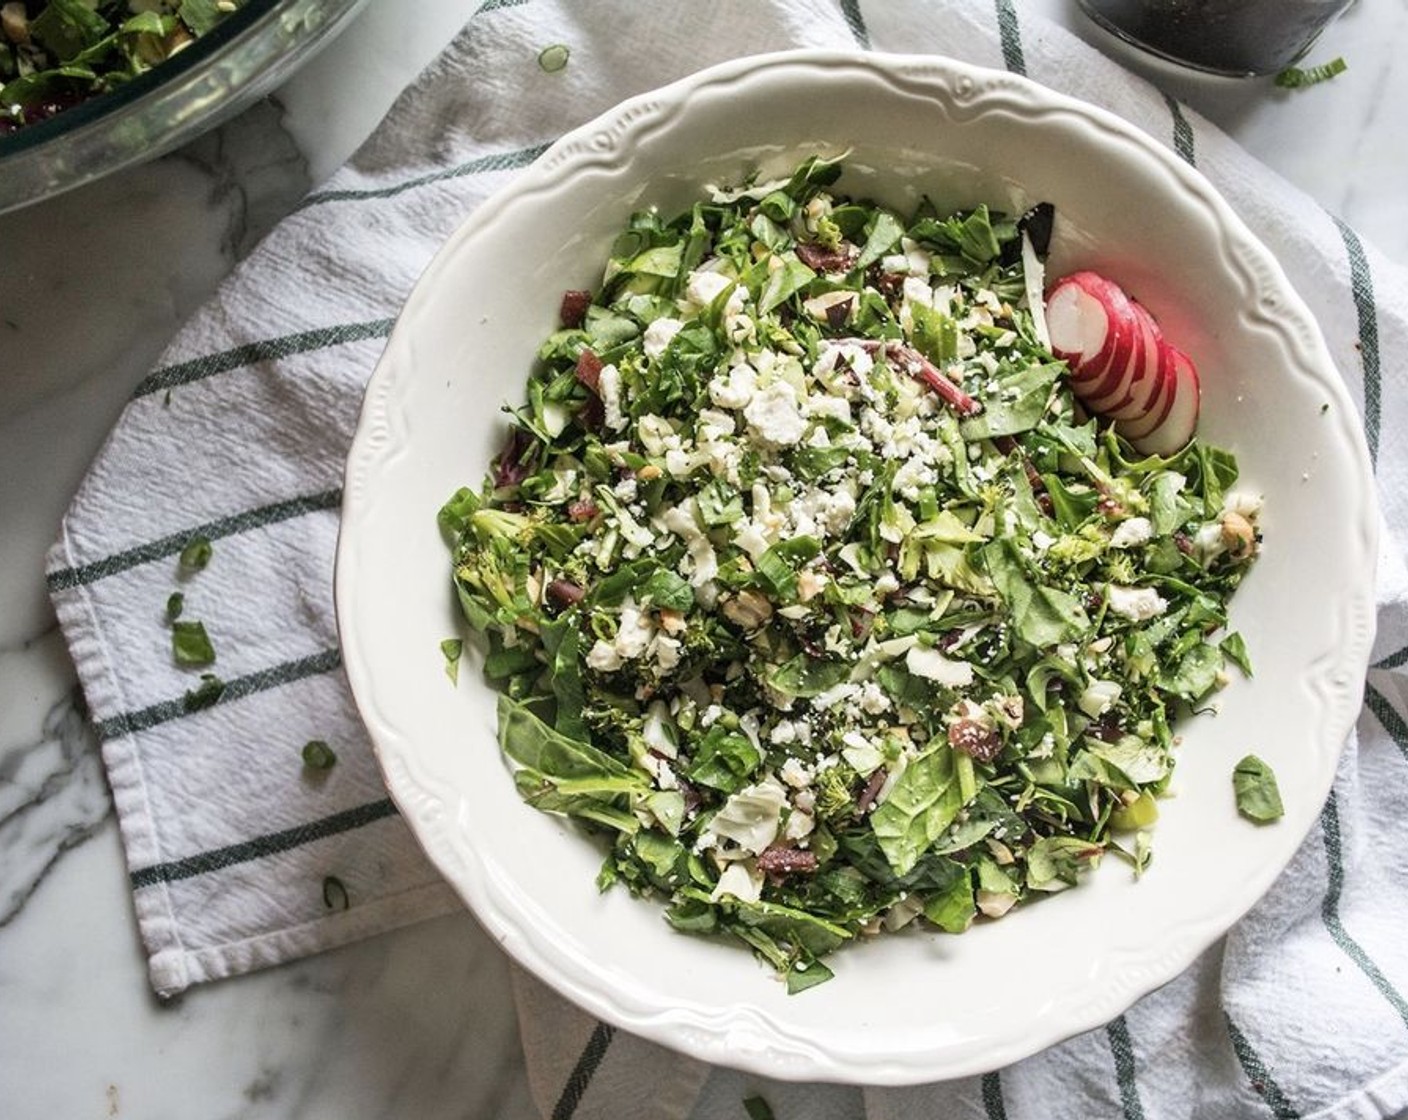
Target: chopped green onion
[1293,77]
[335,896]
[317,755]
[554,58]
[209,691]
[190,644]
[196,554]
[175,604]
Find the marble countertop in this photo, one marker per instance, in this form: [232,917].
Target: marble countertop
[420,1022]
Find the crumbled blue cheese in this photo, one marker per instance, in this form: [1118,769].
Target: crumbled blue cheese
[774,415]
[1136,603]
[1132,532]
[658,335]
[610,386]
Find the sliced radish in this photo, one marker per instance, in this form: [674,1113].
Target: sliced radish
[1174,431]
[1121,367]
[1076,319]
[1132,397]
[1137,427]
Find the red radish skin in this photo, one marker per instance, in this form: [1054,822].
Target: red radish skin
[1131,399]
[1076,320]
[1174,431]
[1137,427]
[1121,367]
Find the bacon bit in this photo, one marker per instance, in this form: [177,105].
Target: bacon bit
[978,741]
[583,509]
[823,259]
[575,302]
[515,461]
[589,368]
[787,861]
[564,592]
[872,790]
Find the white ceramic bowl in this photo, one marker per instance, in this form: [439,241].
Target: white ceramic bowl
[905,1009]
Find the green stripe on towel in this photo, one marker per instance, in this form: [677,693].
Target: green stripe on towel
[129,723]
[1118,1031]
[1258,1076]
[1385,713]
[1010,31]
[856,22]
[1361,285]
[269,844]
[266,350]
[583,1071]
[495,161]
[1330,911]
[64,579]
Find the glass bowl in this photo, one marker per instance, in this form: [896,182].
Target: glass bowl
[224,71]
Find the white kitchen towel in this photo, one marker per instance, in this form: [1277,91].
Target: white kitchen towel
[241,856]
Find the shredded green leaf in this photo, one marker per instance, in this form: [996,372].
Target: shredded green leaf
[1258,795]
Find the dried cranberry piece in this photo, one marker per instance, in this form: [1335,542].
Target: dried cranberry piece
[583,509]
[575,302]
[589,368]
[822,259]
[564,592]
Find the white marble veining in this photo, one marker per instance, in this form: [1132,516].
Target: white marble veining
[417,1023]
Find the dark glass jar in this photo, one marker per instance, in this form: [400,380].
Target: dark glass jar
[1243,37]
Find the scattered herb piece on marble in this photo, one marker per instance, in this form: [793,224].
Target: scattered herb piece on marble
[317,755]
[191,645]
[1294,77]
[208,692]
[554,58]
[335,896]
[1258,796]
[175,604]
[452,648]
[196,555]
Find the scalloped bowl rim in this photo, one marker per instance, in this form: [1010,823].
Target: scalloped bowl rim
[735,1017]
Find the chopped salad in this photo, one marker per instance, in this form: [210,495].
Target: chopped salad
[810,589]
[56,53]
